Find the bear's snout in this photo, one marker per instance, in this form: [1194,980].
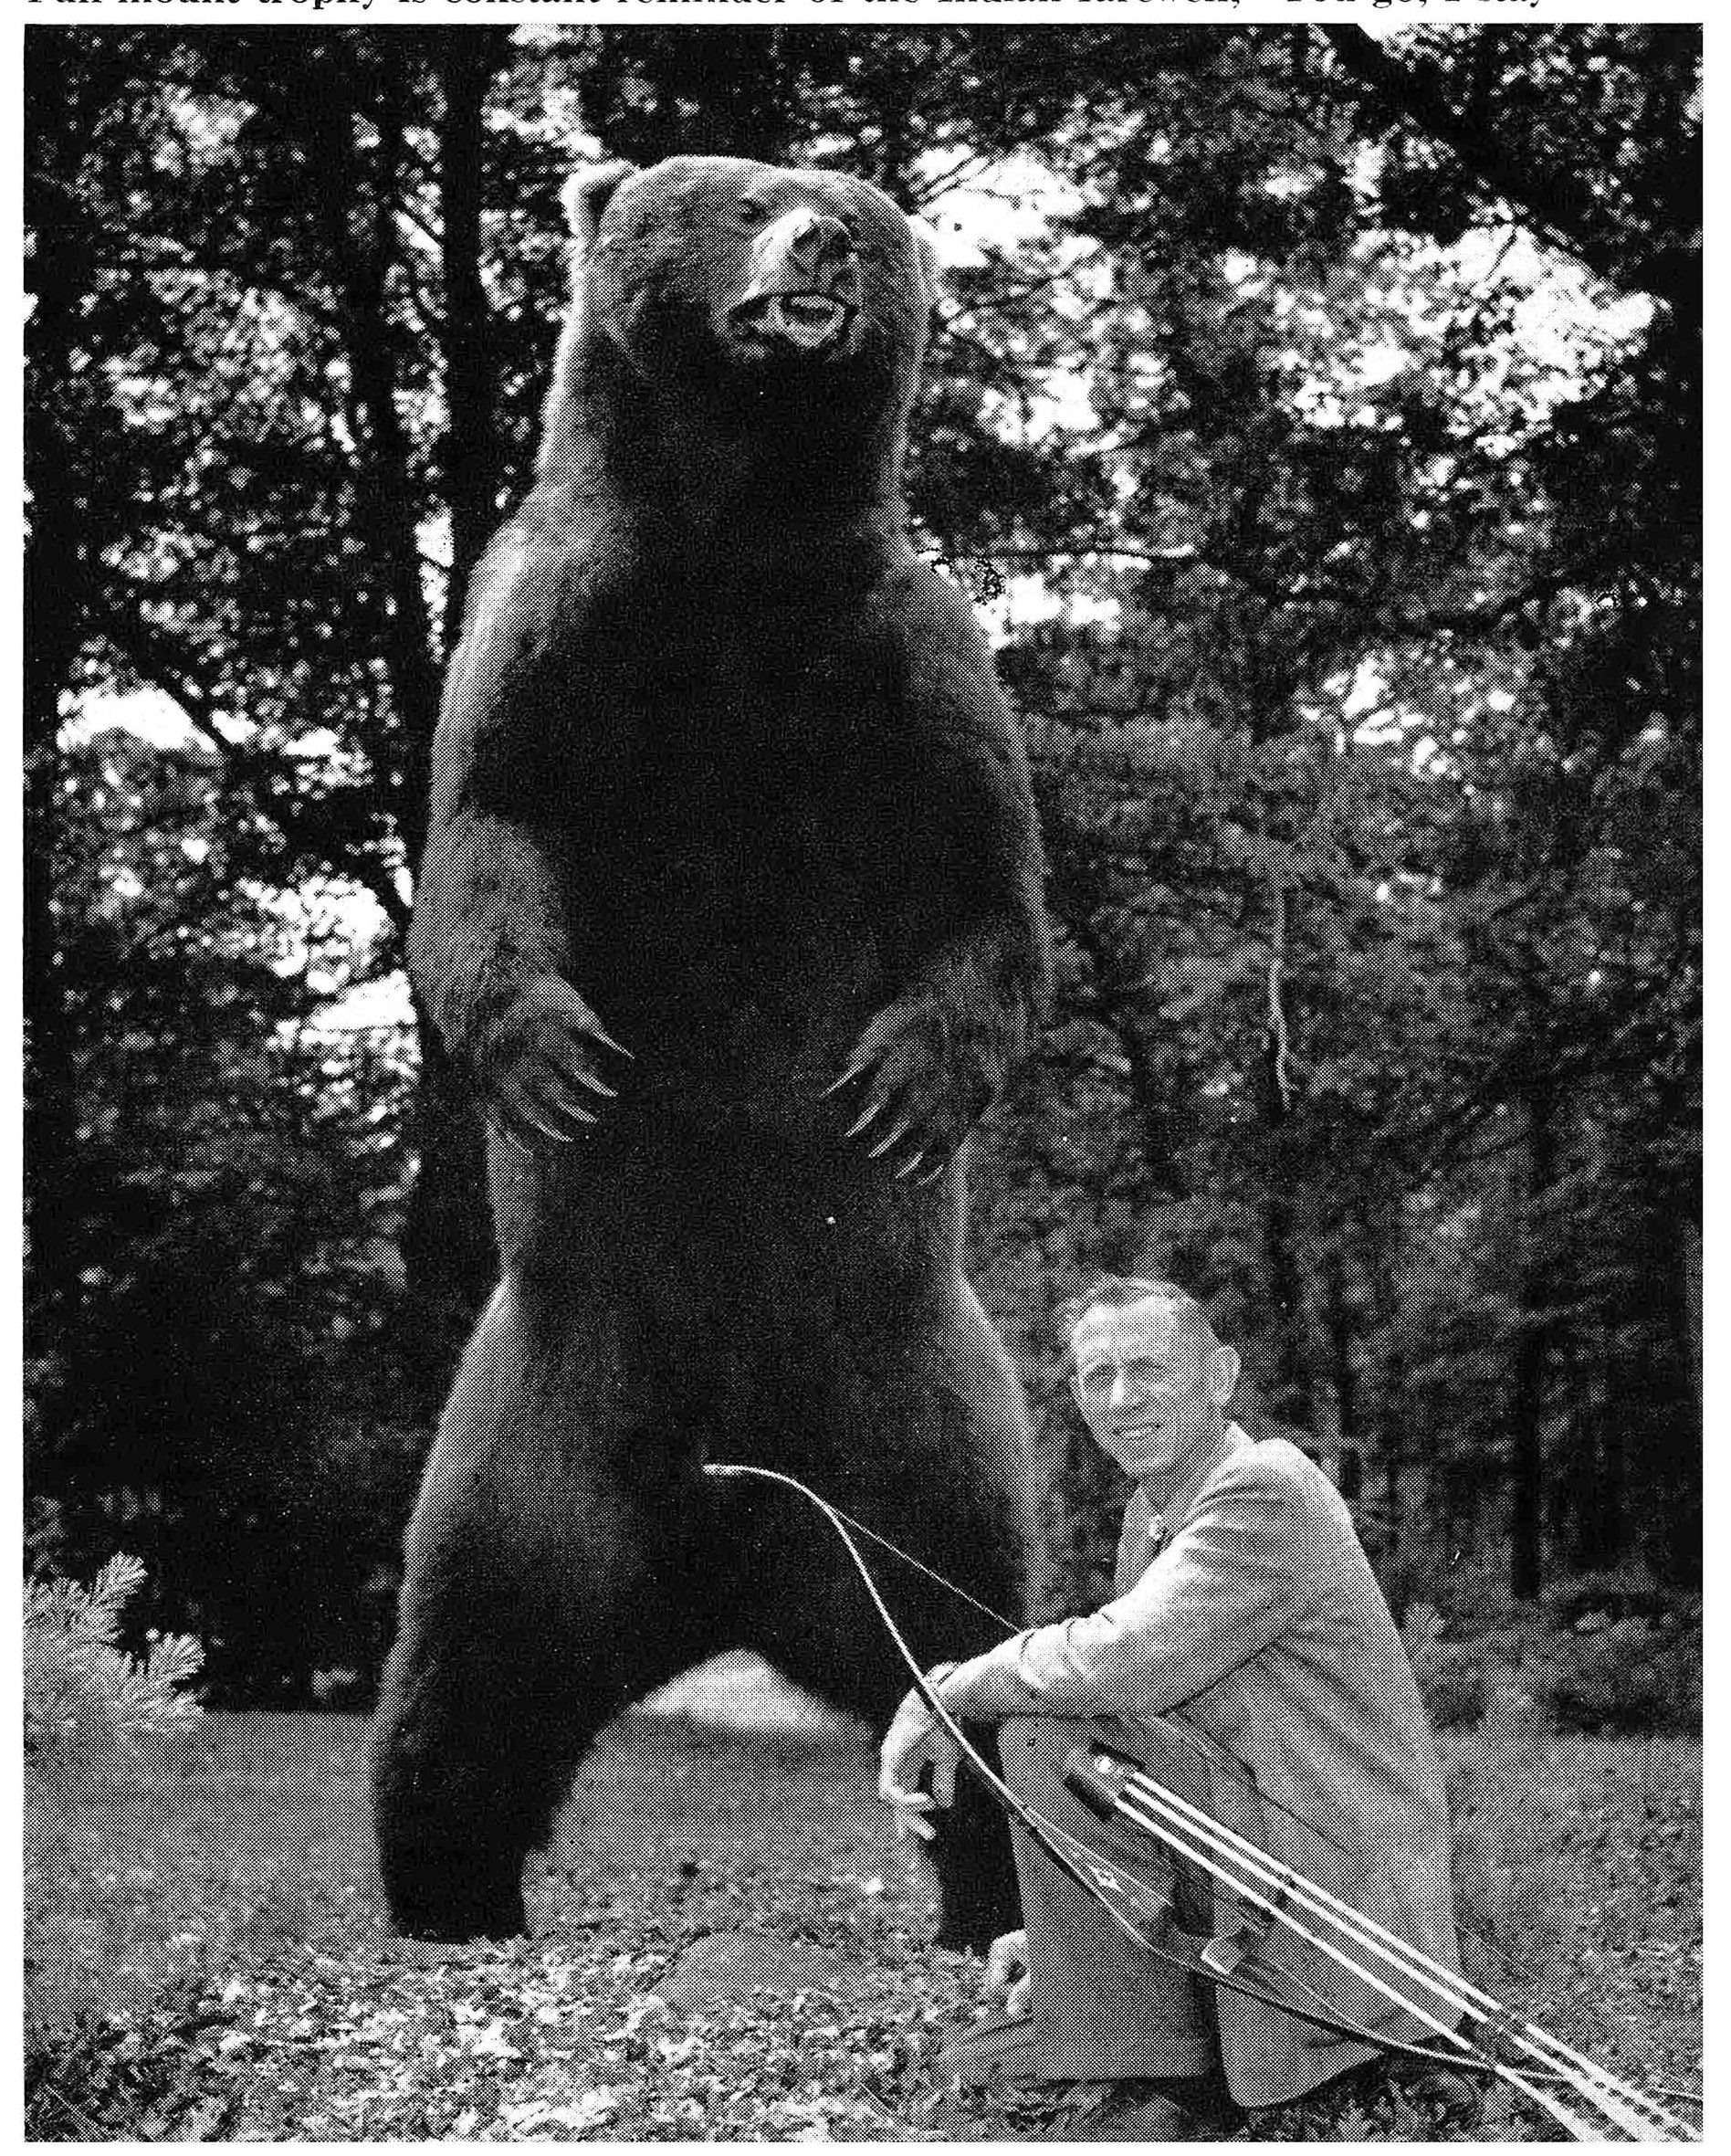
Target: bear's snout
[805,246]
[803,282]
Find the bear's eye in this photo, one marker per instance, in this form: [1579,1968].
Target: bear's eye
[753,209]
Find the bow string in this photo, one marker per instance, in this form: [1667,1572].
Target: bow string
[1192,1834]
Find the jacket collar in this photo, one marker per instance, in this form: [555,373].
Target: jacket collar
[1180,1501]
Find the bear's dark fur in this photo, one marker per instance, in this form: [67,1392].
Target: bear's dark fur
[723,777]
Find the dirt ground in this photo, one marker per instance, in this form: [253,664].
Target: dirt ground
[728,1943]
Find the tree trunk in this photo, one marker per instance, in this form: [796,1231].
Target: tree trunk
[1532,1355]
[1340,1351]
[447,1247]
[1669,1429]
[1318,1352]
[1342,1344]
[1613,1477]
[447,1242]
[467,60]
[1688,1304]
[357,203]
[55,596]
[1378,1416]
[1290,1392]
[1683,1523]
[448,1255]
[1164,1127]
[1392,1458]
[53,630]
[1610,1538]
[1592,1511]
[1280,1264]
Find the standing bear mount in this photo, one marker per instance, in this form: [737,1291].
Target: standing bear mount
[731,906]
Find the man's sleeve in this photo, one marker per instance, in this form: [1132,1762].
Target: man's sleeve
[1238,1574]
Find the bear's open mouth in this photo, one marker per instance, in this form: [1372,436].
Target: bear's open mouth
[810,319]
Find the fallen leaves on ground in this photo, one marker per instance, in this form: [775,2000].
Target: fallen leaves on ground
[290,2013]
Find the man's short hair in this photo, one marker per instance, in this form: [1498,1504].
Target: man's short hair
[1115,1291]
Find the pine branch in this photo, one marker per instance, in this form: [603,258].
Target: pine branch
[1561,208]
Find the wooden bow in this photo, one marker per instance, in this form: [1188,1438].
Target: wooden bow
[1276,1897]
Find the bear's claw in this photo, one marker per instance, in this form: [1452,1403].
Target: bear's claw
[894,1138]
[874,1108]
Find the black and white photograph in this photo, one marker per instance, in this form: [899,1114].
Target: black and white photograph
[861,889]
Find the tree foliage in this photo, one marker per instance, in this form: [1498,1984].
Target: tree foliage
[1318,416]
[82,1693]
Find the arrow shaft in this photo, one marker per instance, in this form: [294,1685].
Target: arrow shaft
[1147,1805]
[1187,1844]
[1206,1843]
[1368,1935]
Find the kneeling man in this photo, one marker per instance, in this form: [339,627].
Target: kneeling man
[1244,1598]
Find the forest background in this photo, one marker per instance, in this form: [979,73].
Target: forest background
[1316,420]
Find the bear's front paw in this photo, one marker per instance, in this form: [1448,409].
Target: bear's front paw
[917,1093]
[539,1069]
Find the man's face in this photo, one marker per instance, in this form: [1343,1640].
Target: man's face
[1150,1393]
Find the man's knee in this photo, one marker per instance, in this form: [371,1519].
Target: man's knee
[1035,1748]
[1032,1749]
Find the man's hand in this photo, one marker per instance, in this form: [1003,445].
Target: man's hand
[1007,1975]
[916,1740]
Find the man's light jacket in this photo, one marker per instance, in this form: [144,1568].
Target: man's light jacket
[1253,1608]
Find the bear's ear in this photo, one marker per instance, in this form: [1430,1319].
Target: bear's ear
[587,193]
[932,267]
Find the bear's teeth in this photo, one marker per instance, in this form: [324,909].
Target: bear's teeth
[806,320]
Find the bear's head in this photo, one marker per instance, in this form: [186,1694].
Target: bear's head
[755,292]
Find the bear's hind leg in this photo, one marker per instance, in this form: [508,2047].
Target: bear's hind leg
[986,1442]
[837,1648]
[930,1450]
[542,1592]
[467,1777]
